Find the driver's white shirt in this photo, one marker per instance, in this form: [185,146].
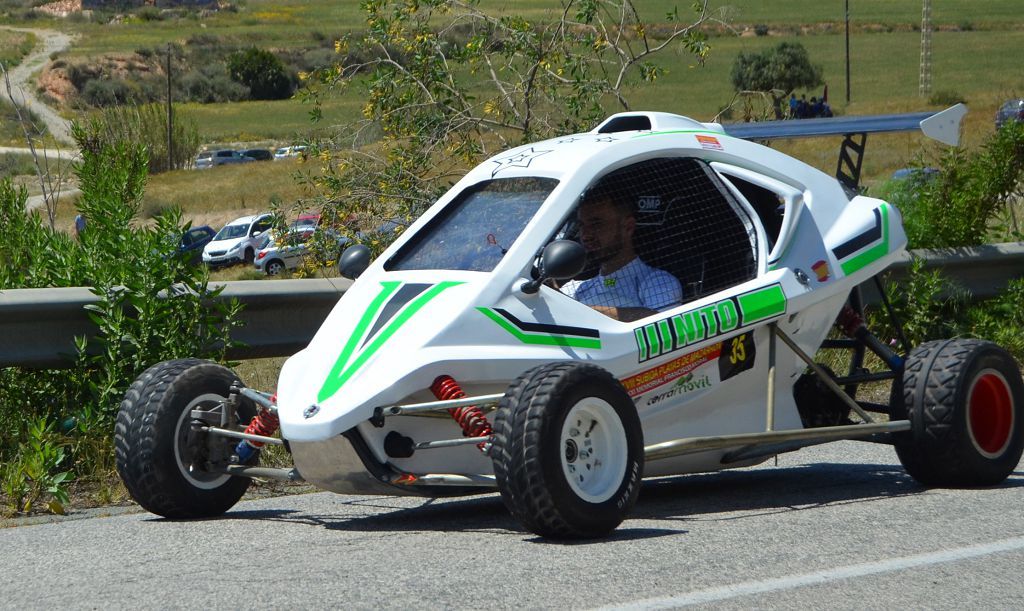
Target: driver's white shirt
[634,285]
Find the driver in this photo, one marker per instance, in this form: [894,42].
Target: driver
[625,288]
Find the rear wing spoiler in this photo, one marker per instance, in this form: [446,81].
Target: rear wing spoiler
[943,126]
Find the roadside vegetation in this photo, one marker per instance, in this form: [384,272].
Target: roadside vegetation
[14,46]
[975,197]
[404,100]
[56,423]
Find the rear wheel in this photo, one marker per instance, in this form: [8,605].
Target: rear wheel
[169,468]
[568,451]
[965,401]
[274,267]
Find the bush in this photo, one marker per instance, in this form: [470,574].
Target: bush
[16,165]
[929,306]
[946,98]
[60,421]
[262,72]
[207,86]
[103,93]
[149,13]
[147,125]
[962,204]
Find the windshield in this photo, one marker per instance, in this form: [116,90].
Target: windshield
[232,231]
[476,230]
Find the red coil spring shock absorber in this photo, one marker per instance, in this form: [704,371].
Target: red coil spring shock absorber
[265,423]
[470,418]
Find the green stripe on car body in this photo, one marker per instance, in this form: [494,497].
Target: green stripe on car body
[696,325]
[761,304]
[874,253]
[343,370]
[541,339]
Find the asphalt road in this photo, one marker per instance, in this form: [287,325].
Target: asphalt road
[837,526]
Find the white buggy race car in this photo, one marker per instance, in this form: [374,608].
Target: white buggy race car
[458,364]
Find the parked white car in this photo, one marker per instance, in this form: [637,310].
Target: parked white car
[289,152]
[277,255]
[236,242]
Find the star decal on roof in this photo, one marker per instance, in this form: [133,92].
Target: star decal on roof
[520,159]
[606,139]
[569,140]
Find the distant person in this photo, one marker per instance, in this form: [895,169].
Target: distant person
[792,105]
[625,287]
[815,107]
[802,108]
[79,225]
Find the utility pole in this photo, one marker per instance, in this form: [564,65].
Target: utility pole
[847,52]
[925,83]
[170,115]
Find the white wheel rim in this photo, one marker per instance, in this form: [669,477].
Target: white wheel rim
[593,450]
[195,477]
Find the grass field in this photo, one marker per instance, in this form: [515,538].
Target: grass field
[976,52]
[282,121]
[14,46]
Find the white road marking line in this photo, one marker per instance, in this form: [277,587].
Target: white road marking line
[819,577]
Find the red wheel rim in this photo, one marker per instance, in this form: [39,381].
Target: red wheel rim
[990,413]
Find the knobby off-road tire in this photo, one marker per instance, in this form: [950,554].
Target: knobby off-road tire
[568,451]
[153,440]
[965,401]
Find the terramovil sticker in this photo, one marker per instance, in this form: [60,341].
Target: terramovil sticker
[737,355]
[684,385]
[699,324]
[666,372]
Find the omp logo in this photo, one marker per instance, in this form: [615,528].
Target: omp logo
[649,202]
[680,330]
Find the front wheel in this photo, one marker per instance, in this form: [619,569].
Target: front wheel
[568,451]
[965,402]
[169,468]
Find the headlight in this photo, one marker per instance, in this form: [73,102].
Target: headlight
[235,247]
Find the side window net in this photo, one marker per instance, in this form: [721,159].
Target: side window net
[685,222]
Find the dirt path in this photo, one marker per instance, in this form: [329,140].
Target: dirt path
[50,42]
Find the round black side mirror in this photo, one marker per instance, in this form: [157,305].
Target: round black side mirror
[561,260]
[354,261]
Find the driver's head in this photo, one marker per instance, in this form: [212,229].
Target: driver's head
[606,226]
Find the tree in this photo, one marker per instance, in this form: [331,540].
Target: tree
[447,84]
[262,72]
[777,72]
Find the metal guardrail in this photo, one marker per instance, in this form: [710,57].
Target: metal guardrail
[38,326]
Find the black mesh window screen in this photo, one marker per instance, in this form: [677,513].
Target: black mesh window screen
[659,233]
